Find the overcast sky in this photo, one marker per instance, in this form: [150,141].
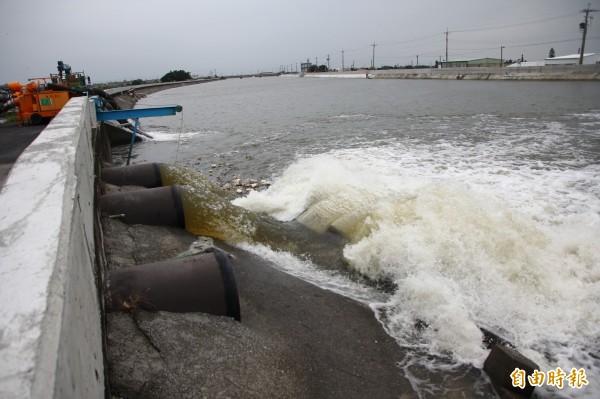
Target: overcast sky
[129,39]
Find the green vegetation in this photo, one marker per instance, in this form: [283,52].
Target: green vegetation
[9,116]
[176,76]
[320,68]
[137,82]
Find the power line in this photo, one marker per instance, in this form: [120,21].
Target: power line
[513,25]
[409,40]
[358,48]
[447,32]
[552,42]
[464,52]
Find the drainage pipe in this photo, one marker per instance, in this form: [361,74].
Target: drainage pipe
[161,206]
[200,283]
[8,105]
[146,175]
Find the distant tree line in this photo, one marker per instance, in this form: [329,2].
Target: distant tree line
[318,68]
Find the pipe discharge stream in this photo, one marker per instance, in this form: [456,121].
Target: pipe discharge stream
[177,196]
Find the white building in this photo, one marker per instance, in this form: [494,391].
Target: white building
[528,64]
[573,59]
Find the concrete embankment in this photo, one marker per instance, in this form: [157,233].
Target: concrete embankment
[127,96]
[555,72]
[50,318]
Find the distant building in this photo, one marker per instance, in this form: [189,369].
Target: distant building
[305,66]
[528,64]
[573,59]
[477,62]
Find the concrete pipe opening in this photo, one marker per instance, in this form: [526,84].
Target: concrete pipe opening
[161,206]
[145,175]
[200,283]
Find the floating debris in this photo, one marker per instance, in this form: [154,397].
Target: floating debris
[222,173]
[243,186]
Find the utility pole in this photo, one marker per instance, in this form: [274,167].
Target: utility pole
[501,59]
[584,26]
[328,62]
[373,61]
[417,60]
[447,47]
[342,60]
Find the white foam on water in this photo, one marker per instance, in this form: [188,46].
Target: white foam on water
[173,136]
[311,273]
[353,116]
[474,236]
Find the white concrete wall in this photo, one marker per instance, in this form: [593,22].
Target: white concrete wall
[344,75]
[553,72]
[50,319]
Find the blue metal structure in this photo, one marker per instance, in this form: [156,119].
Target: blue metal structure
[135,114]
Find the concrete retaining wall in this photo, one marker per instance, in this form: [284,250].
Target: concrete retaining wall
[163,86]
[50,319]
[558,72]
[554,72]
[343,75]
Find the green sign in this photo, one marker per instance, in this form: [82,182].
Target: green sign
[45,101]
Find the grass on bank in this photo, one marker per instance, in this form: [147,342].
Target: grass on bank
[9,117]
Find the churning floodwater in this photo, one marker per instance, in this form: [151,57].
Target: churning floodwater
[479,200]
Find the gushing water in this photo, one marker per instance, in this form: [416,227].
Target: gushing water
[480,201]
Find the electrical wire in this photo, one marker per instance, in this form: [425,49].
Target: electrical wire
[497,27]
[552,42]
[410,40]
[513,25]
